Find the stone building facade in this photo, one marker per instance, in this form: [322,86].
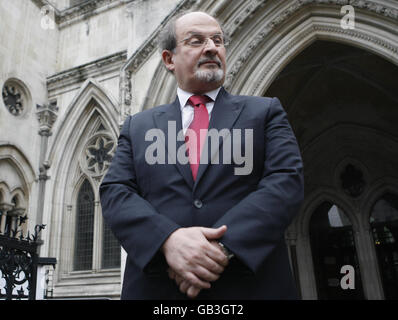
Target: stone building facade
[71,71]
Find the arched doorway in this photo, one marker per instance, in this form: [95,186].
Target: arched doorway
[341,102]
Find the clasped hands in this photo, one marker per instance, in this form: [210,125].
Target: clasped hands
[195,258]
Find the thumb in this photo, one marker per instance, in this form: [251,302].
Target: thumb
[214,233]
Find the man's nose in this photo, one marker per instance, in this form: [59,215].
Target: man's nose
[210,45]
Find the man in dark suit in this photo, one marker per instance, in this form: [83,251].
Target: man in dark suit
[214,229]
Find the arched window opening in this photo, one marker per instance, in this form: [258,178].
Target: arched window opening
[15,201]
[83,257]
[333,246]
[384,224]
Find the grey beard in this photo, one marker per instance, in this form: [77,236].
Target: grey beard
[209,75]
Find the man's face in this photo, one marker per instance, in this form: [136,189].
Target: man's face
[198,69]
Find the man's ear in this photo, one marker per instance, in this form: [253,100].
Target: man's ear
[168,60]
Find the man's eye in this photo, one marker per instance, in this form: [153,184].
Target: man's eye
[196,41]
[217,40]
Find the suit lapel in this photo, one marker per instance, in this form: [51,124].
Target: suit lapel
[224,115]
[172,114]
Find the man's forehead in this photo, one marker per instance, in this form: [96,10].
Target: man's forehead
[197,22]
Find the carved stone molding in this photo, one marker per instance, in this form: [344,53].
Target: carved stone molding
[85,10]
[6,207]
[353,34]
[283,16]
[88,70]
[125,96]
[245,14]
[46,114]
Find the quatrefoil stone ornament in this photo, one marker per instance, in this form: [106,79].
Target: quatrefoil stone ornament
[98,154]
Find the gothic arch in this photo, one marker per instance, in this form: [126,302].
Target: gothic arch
[18,198]
[376,191]
[77,109]
[91,112]
[20,171]
[272,43]
[17,178]
[315,199]
[4,193]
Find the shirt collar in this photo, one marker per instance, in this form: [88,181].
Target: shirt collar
[183,96]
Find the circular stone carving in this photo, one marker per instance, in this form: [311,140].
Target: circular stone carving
[97,154]
[14,97]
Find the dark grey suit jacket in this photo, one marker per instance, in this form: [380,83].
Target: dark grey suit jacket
[143,203]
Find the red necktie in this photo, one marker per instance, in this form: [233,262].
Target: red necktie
[194,138]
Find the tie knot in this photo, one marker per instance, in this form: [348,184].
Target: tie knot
[197,100]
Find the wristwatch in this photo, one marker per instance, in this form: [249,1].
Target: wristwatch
[228,253]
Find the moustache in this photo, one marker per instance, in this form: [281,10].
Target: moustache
[210,59]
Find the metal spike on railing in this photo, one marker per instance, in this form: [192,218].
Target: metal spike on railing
[22,220]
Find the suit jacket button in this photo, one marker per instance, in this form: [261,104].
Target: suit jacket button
[198,204]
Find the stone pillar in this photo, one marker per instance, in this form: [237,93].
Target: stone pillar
[16,213]
[46,114]
[291,242]
[370,273]
[4,208]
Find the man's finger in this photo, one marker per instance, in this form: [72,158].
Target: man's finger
[193,292]
[184,285]
[179,279]
[212,265]
[195,281]
[217,254]
[205,274]
[214,233]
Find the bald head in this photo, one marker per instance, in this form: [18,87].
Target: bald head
[192,18]
[167,39]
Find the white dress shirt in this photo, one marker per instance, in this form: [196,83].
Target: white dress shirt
[187,110]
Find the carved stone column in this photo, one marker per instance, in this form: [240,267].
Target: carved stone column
[15,214]
[46,114]
[4,208]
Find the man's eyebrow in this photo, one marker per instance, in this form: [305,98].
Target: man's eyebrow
[194,33]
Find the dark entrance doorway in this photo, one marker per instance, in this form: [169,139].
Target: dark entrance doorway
[342,103]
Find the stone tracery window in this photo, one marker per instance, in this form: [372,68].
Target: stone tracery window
[14,97]
[84,228]
[92,235]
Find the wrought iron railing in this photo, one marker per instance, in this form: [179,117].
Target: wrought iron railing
[18,262]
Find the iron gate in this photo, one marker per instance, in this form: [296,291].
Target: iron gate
[18,264]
